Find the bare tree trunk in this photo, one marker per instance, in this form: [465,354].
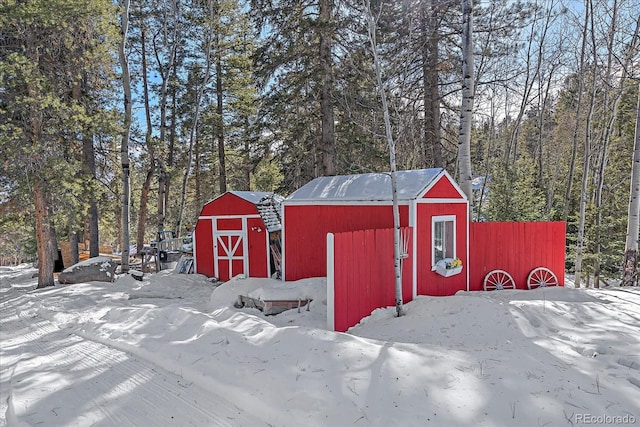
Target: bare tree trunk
[587,161]
[198,177]
[163,189]
[630,262]
[326,160]
[90,162]
[196,116]
[89,170]
[392,158]
[613,112]
[173,132]
[552,158]
[124,146]
[247,156]
[142,215]
[544,103]
[431,95]
[167,72]
[146,187]
[220,124]
[572,165]
[73,246]
[487,157]
[512,147]
[466,114]
[46,242]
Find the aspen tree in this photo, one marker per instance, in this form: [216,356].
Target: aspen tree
[126,134]
[630,262]
[466,113]
[371,26]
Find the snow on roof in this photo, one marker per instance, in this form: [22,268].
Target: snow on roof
[270,209]
[366,187]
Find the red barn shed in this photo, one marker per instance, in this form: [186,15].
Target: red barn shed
[234,235]
[431,203]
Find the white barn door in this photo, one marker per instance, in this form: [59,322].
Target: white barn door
[230,247]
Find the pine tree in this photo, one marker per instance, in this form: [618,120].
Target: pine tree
[49,49]
[295,69]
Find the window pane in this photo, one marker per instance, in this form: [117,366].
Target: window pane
[443,239]
[448,234]
[438,241]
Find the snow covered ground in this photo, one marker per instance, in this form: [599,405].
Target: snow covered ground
[171,350]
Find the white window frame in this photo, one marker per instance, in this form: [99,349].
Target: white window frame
[436,220]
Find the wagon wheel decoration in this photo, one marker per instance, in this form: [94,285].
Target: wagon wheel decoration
[541,277]
[498,280]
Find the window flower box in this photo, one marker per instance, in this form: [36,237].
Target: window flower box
[448,267]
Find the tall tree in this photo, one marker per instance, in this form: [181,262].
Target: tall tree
[201,80]
[586,164]
[126,135]
[148,138]
[372,30]
[614,88]
[295,68]
[630,262]
[220,133]
[430,29]
[466,114]
[239,101]
[326,161]
[48,48]
[171,40]
[235,101]
[92,213]
[580,89]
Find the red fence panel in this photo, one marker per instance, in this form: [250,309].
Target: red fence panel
[363,274]
[517,248]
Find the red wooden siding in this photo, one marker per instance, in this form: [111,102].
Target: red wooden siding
[204,247]
[257,236]
[229,224]
[429,282]
[443,189]
[223,268]
[364,277]
[517,248]
[229,204]
[306,228]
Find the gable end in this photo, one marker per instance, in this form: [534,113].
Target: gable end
[443,188]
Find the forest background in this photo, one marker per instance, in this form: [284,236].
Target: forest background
[266,95]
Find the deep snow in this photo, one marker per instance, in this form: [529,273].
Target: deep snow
[172,350]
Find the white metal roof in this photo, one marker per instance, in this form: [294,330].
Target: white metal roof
[251,196]
[366,187]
